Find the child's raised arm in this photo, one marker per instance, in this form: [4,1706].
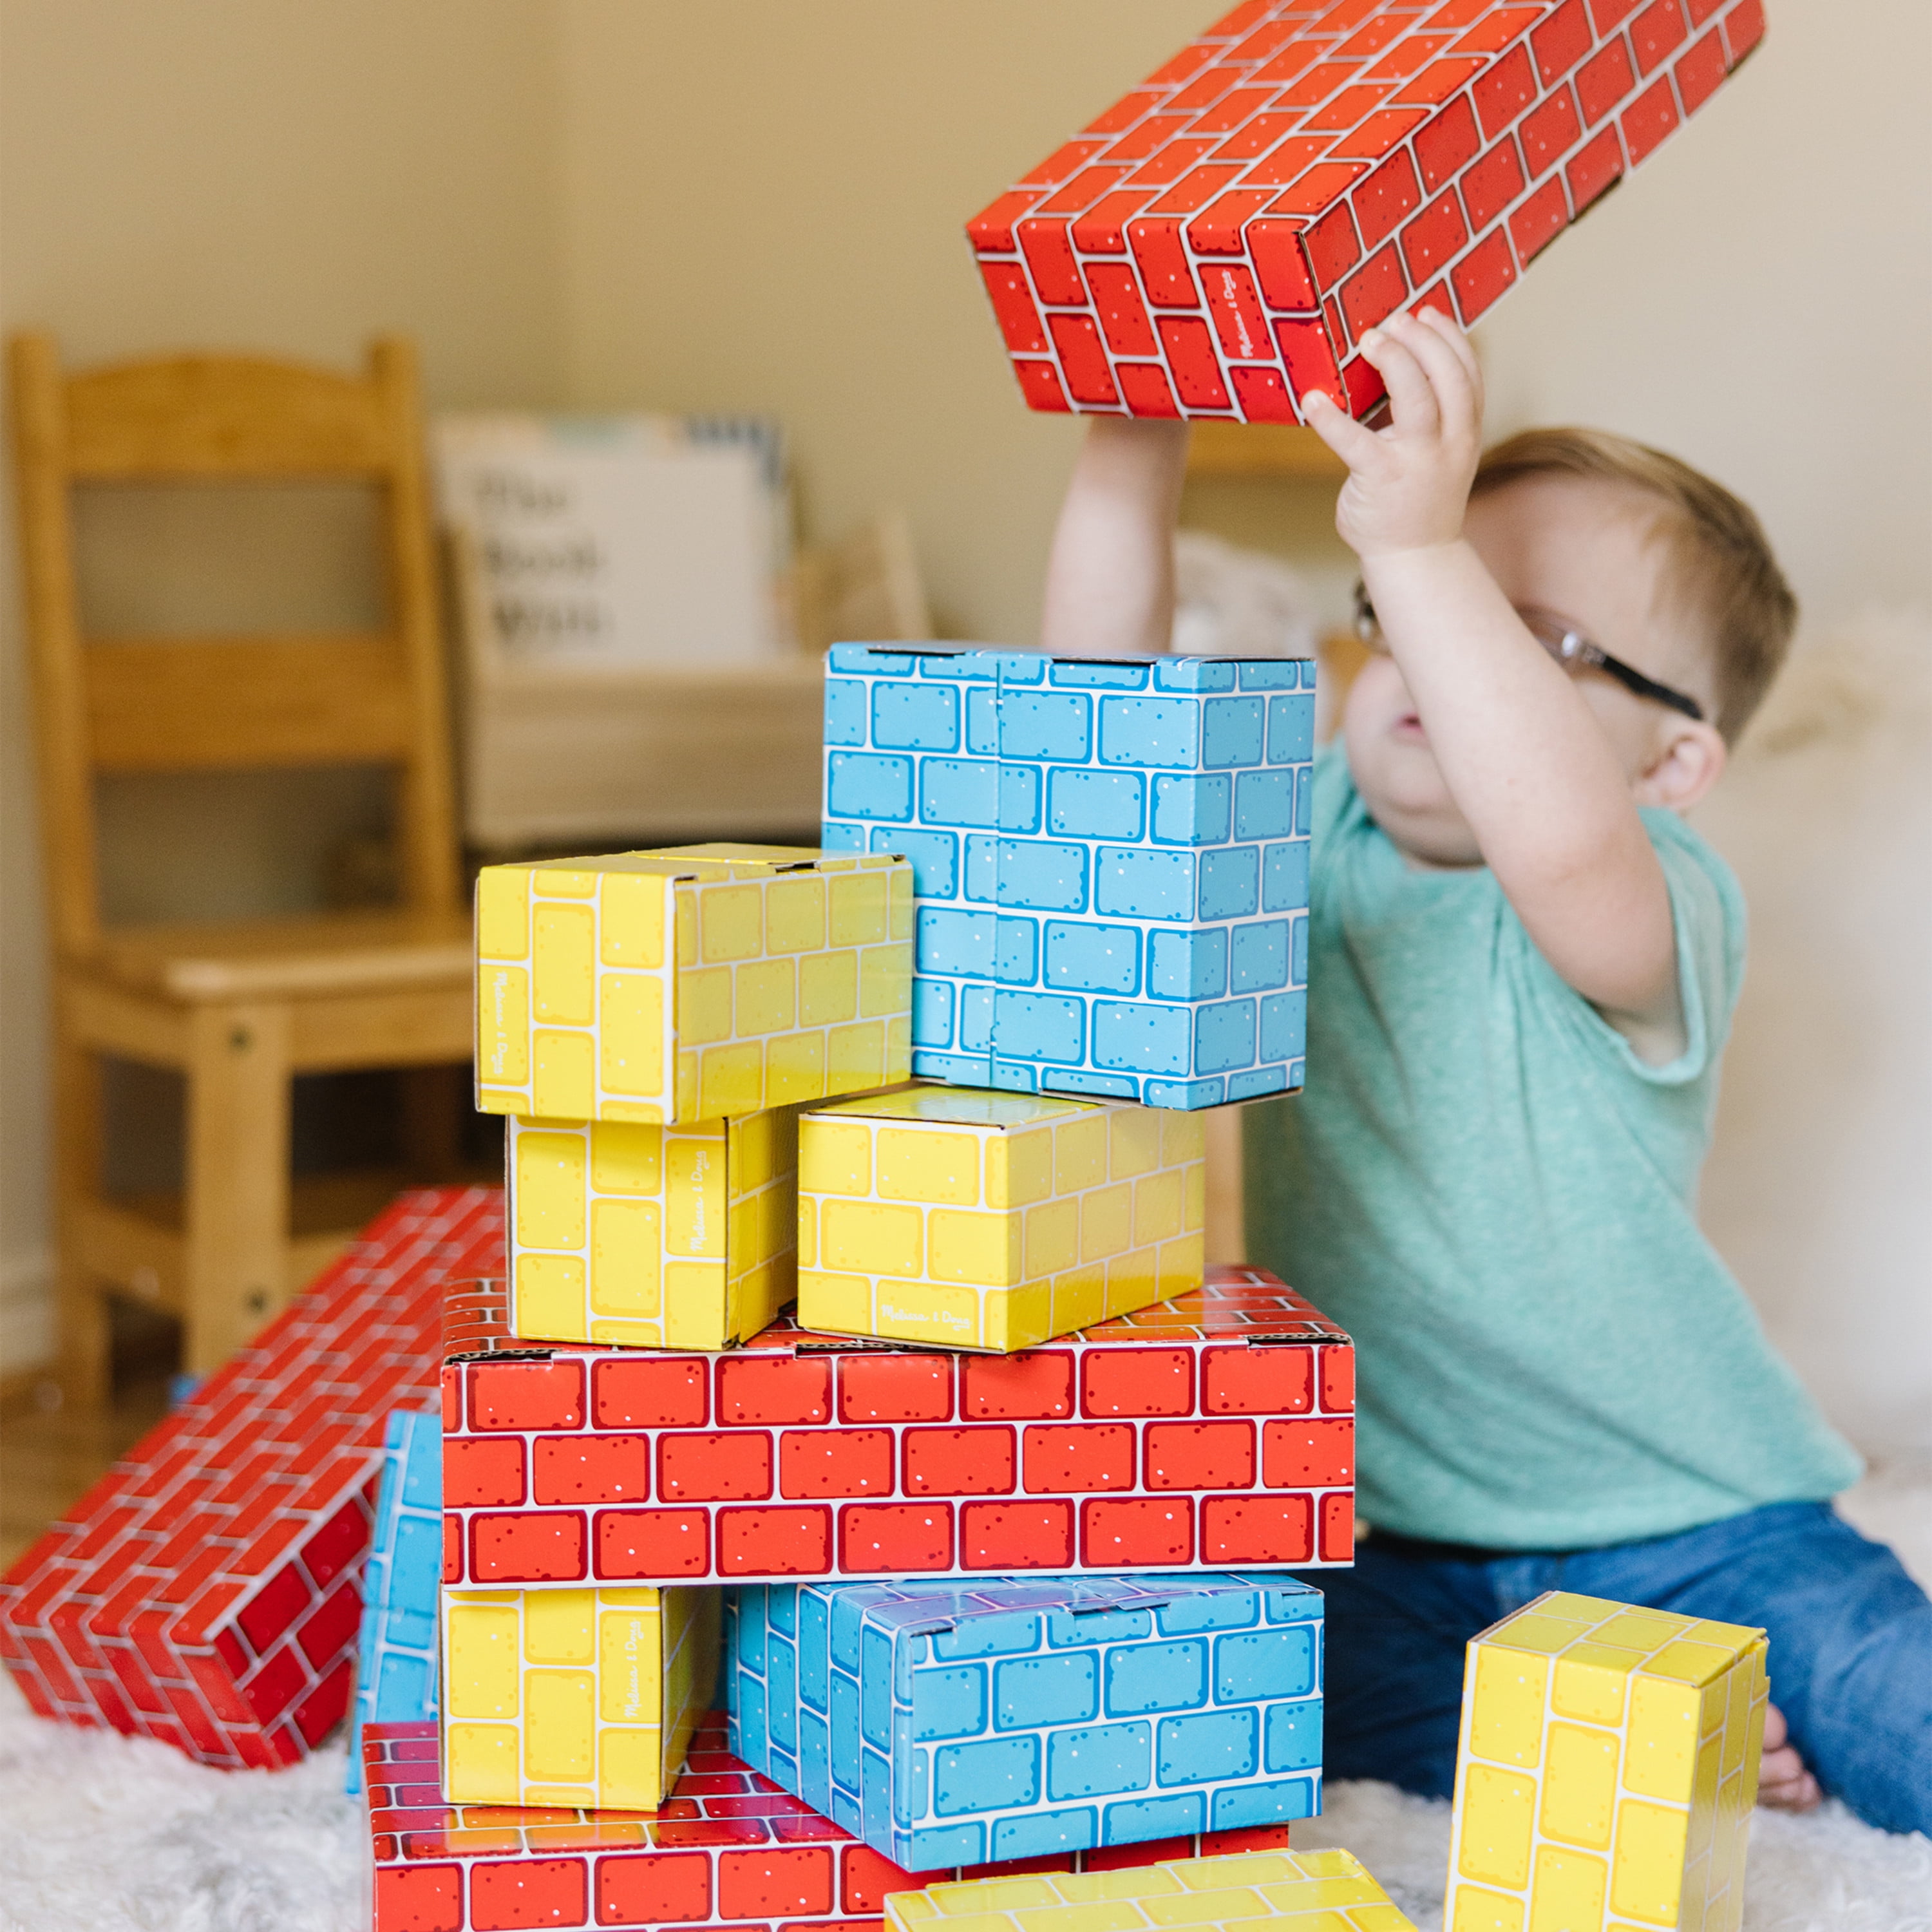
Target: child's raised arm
[1531,769]
[1110,580]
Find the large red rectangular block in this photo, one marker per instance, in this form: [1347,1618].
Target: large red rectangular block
[1284,147]
[205,1591]
[1214,1431]
[729,1848]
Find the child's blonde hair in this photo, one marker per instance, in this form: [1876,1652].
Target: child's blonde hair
[1719,558]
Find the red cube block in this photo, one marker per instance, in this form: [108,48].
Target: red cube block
[1215,1429]
[206,1590]
[728,1848]
[1284,148]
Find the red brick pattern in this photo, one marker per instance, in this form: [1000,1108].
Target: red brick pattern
[205,1591]
[1214,1432]
[729,1848]
[1216,243]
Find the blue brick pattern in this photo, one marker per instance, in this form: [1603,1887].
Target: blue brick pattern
[396,1655]
[1028,1717]
[1110,860]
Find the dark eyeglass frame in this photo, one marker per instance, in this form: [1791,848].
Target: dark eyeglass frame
[1568,647]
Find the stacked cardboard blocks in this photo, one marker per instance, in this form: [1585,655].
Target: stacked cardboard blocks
[986,1546]
[1217,243]
[396,1653]
[989,1544]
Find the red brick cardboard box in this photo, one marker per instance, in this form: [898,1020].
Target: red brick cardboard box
[205,1590]
[1218,242]
[1214,1431]
[730,1848]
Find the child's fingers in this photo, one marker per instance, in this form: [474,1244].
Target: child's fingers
[1354,444]
[1445,327]
[1459,408]
[1412,397]
[1446,330]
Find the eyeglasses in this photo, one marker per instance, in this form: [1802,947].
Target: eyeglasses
[1570,648]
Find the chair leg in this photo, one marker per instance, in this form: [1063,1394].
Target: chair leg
[86,1367]
[237,1178]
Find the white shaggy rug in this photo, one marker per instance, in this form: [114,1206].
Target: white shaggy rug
[101,1833]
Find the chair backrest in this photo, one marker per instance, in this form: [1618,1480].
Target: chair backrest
[183,704]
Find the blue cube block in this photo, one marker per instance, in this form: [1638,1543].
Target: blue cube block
[1136,822]
[1028,1716]
[396,1653]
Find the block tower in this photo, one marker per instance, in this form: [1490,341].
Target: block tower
[1017,1446]
[988,1544]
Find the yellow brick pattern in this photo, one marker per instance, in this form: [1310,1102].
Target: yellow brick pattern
[1297,1892]
[650,1237]
[994,1221]
[673,987]
[573,1697]
[1607,1768]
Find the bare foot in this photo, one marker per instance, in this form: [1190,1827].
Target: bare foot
[1783,1782]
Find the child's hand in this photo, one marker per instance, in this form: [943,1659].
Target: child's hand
[1408,484]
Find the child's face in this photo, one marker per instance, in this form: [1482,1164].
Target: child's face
[1586,551]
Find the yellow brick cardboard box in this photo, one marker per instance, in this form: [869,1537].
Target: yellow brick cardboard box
[691,985]
[1297,1892]
[1607,1770]
[574,1697]
[653,1238]
[996,1221]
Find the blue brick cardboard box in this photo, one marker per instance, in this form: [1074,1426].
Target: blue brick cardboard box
[396,1652]
[1111,862]
[1026,1717]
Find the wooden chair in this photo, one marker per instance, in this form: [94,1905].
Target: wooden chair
[238,1008]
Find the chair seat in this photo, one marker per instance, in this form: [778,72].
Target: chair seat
[311,958]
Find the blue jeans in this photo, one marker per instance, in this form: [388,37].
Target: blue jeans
[1850,1659]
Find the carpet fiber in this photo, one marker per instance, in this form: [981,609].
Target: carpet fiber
[101,1833]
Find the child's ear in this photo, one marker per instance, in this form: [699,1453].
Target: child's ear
[1687,763]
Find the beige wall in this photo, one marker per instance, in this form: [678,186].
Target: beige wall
[1757,298]
[762,203]
[264,174]
[756,204]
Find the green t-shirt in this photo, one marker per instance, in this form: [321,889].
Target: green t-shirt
[1498,1199]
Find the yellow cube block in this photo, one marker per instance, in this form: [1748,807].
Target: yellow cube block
[691,984]
[1297,1892]
[994,1221]
[651,1236]
[574,1697]
[1607,1770]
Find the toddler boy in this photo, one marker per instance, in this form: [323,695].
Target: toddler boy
[1524,966]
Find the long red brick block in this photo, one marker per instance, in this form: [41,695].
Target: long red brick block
[728,1848]
[1218,242]
[1215,1431]
[205,1592]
